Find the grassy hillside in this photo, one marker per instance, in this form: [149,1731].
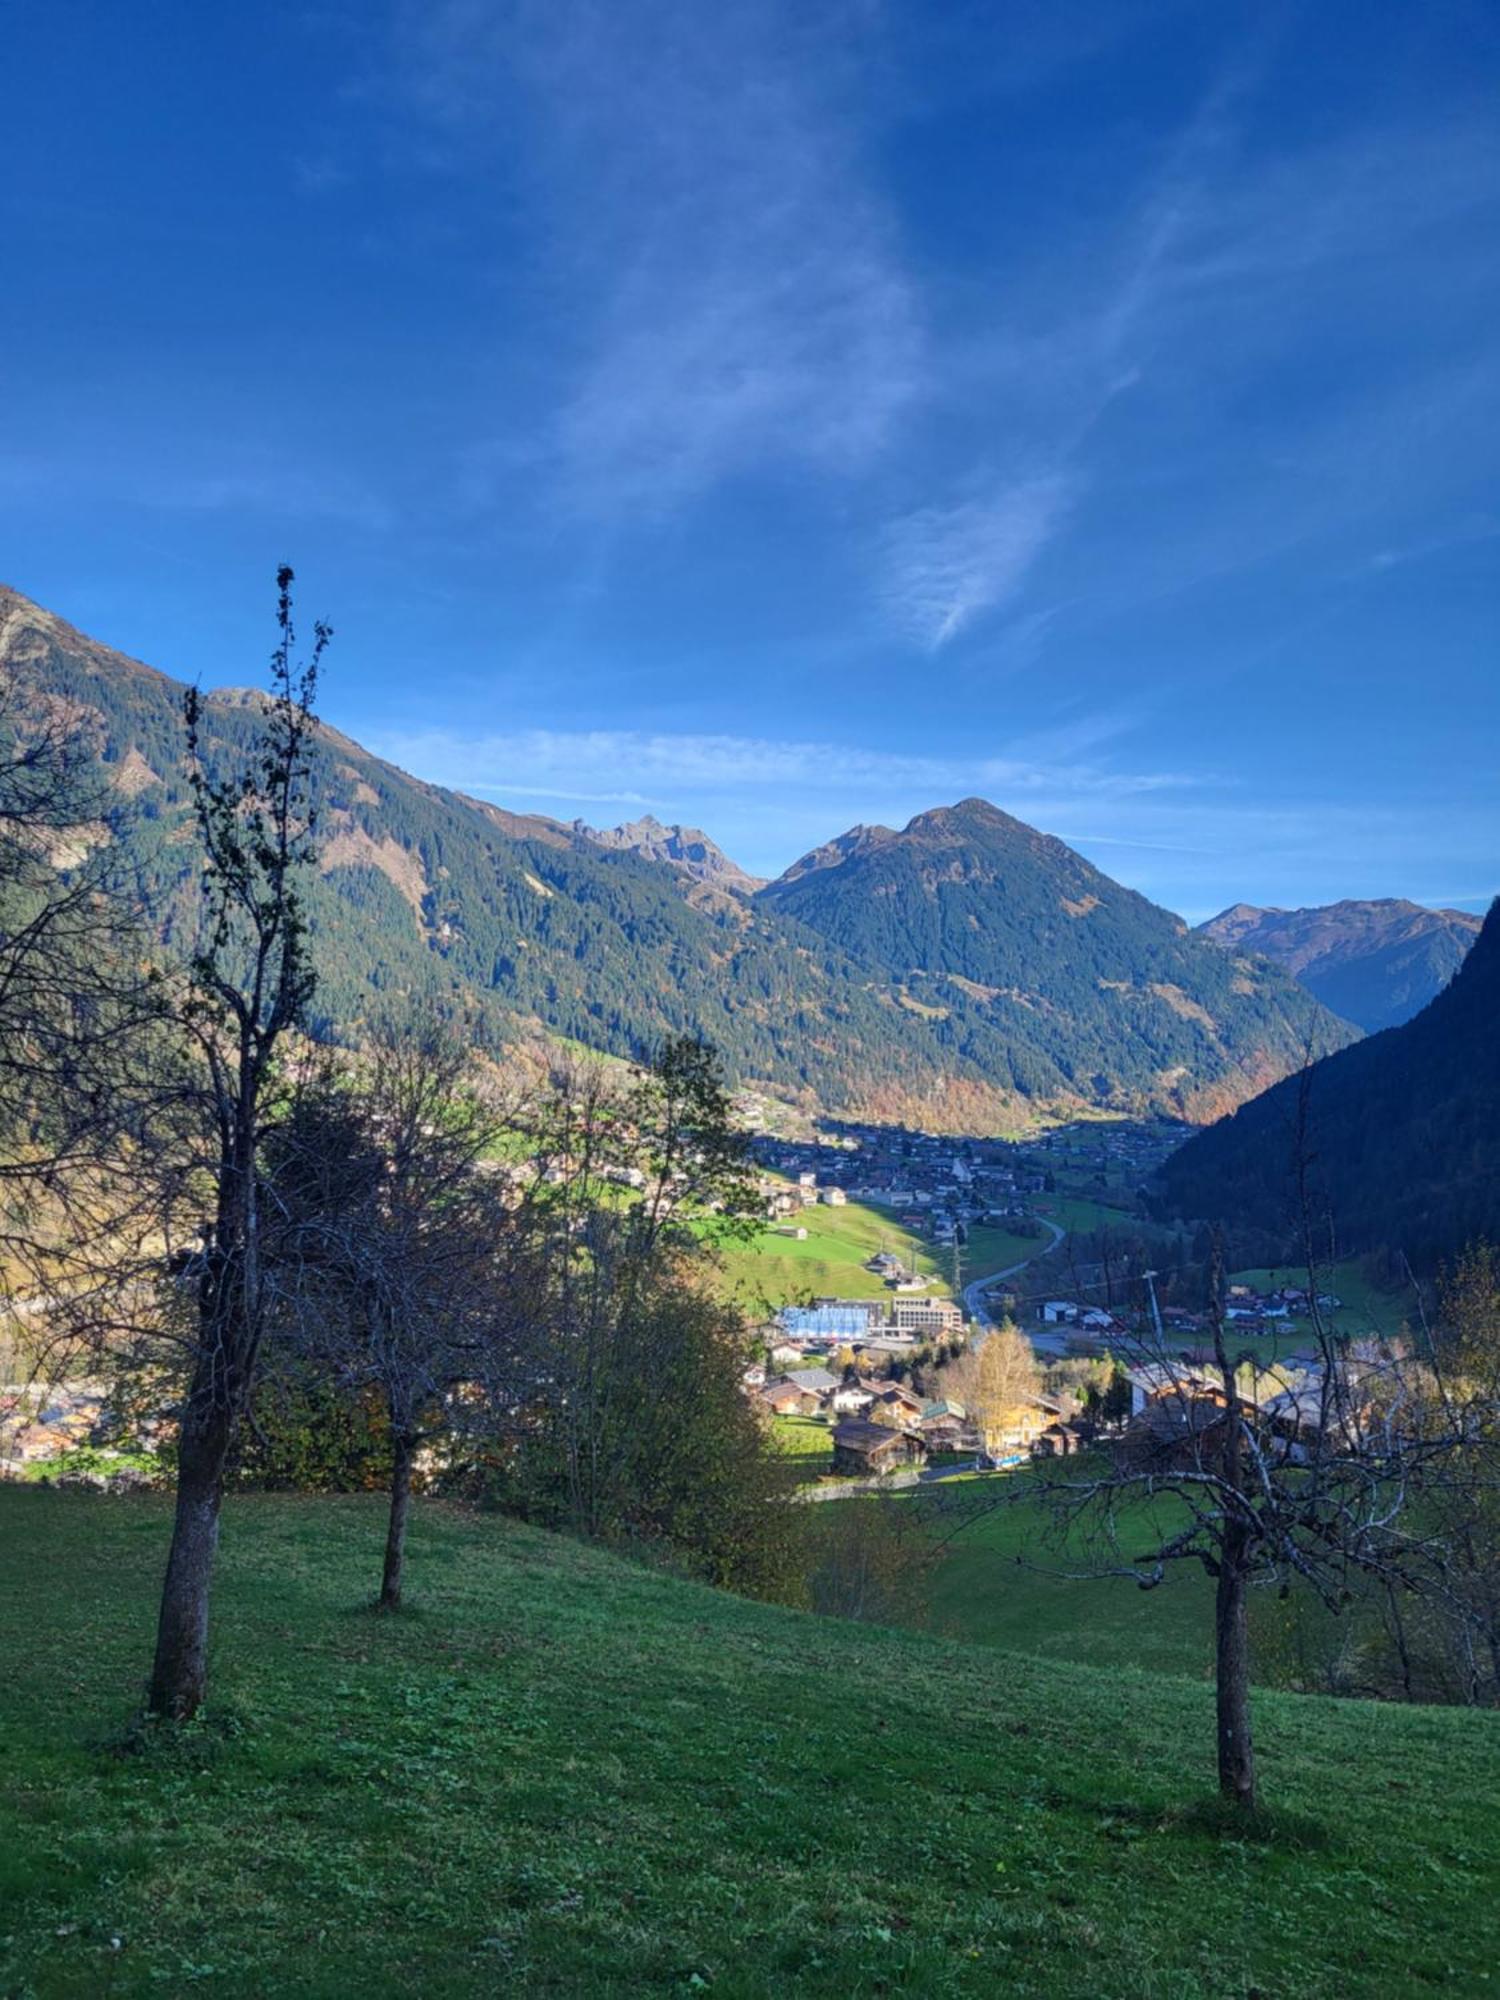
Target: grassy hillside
[991,1248]
[774,1270]
[806,1440]
[565,1775]
[985,1590]
[1363,1308]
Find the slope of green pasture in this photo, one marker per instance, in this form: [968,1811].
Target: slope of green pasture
[773,1270]
[998,1583]
[561,1774]
[993,1248]
[1365,1308]
[806,1440]
[1083,1212]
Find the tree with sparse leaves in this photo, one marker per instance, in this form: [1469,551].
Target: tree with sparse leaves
[414,1286]
[1322,1486]
[246,992]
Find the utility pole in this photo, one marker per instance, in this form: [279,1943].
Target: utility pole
[1161,1338]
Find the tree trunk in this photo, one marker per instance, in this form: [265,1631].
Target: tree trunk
[1232,1664]
[395,1536]
[1398,1632]
[179,1674]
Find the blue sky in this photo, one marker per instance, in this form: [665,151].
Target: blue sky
[779,416]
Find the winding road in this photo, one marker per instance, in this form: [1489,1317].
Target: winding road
[975,1289]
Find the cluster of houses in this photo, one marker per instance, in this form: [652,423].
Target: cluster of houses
[1103,1155]
[37,1428]
[933,1184]
[1178,1411]
[1244,1303]
[1097,1320]
[785,1200]
[1177,1418]
[879,1426]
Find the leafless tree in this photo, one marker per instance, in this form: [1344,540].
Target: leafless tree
[412,1268]
[1302,1480]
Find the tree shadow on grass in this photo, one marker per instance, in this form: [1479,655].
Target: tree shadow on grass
[1269,1826]
[169,1744]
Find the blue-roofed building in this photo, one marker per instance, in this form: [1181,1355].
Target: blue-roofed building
[840,1322]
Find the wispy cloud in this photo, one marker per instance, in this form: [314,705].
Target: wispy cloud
[944,566]
[580,764]
[208,479]
[1188,838]
[732,289]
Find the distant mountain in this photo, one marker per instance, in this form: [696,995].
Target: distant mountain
[1089,988]
[1401,1132]
[685,849]
[1008,976]
[1375,963]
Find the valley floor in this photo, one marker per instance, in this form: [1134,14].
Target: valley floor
[560,1773]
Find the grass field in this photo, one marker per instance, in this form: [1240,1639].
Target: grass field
[560,1774]
[807,1440]
[995,1249]
[1080,1212]
[1365,1308]
[992,1587]
[777,1270]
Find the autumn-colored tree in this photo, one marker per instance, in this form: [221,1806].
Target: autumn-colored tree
[996,1382]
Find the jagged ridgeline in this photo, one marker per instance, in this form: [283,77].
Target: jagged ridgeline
[959,976]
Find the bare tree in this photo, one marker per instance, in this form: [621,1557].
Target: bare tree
[1304,1481]
[411,1260]
[247,989]
[1466,1347]
[75,1012]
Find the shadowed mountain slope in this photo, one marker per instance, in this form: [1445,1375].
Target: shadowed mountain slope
[1374,963]
[1401,1133]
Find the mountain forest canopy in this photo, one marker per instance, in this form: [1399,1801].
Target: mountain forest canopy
[961,975]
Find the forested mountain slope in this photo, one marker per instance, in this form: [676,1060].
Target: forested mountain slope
[521,923]
[1374,963]
[1090,987]
[1401,1132]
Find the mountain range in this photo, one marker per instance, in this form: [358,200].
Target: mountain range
[1374,963]
[964,974]
[1400,1134]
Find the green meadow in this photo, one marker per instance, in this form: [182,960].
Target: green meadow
[560,1773]
[775,1269]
